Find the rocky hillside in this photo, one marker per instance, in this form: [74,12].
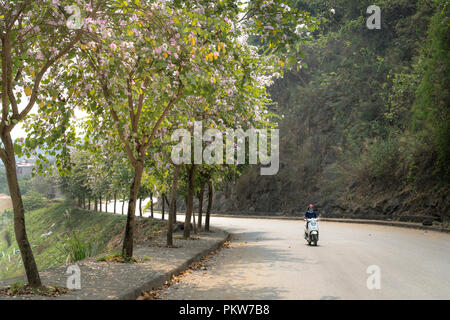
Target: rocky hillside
[365,127]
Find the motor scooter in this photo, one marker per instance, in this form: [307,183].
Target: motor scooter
[312,231]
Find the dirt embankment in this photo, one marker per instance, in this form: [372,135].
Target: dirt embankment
[5,203]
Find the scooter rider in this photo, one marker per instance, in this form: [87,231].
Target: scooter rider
[310,214]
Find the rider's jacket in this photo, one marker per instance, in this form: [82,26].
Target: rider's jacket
[310,214]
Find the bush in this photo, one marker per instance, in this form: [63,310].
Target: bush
[33,200]
[78,249]
[383,158]
[442,142]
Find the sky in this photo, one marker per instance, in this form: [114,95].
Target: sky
[19,132]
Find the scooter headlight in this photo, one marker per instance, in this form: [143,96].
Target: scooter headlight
[313,223]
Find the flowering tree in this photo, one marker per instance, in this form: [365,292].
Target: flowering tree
[35,36]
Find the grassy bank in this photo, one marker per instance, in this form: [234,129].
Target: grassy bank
[59,233]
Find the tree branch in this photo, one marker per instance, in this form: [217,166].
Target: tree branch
[163,115]
[139,109]
[40,75]
[10,23]
[117,123]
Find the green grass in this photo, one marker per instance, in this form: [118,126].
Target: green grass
[87,232]
[76,248]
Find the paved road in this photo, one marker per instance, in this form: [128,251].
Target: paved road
[270,260]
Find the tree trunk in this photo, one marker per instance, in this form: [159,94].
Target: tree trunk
[96,204]
[210,201]
[115,201]
[140,206]
[167,200]
[172,207]
[163,206]
[89,203]
[151,204]
[29,263]
[200,205]
[127,249]
[194,225]
[189,202]
[100,203]
[123,204]
[175,211]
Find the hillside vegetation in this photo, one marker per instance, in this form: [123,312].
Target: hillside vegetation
[53,230]
[366,122]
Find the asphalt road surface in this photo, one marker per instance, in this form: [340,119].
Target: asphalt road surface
[269,259]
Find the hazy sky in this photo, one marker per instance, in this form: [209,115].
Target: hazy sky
[19,132]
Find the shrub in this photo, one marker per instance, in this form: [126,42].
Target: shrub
[33,200]
[382,158]
[442,142]
[78,249]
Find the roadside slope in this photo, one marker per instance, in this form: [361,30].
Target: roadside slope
[50,229]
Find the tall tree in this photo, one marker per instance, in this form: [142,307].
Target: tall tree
[34,38]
